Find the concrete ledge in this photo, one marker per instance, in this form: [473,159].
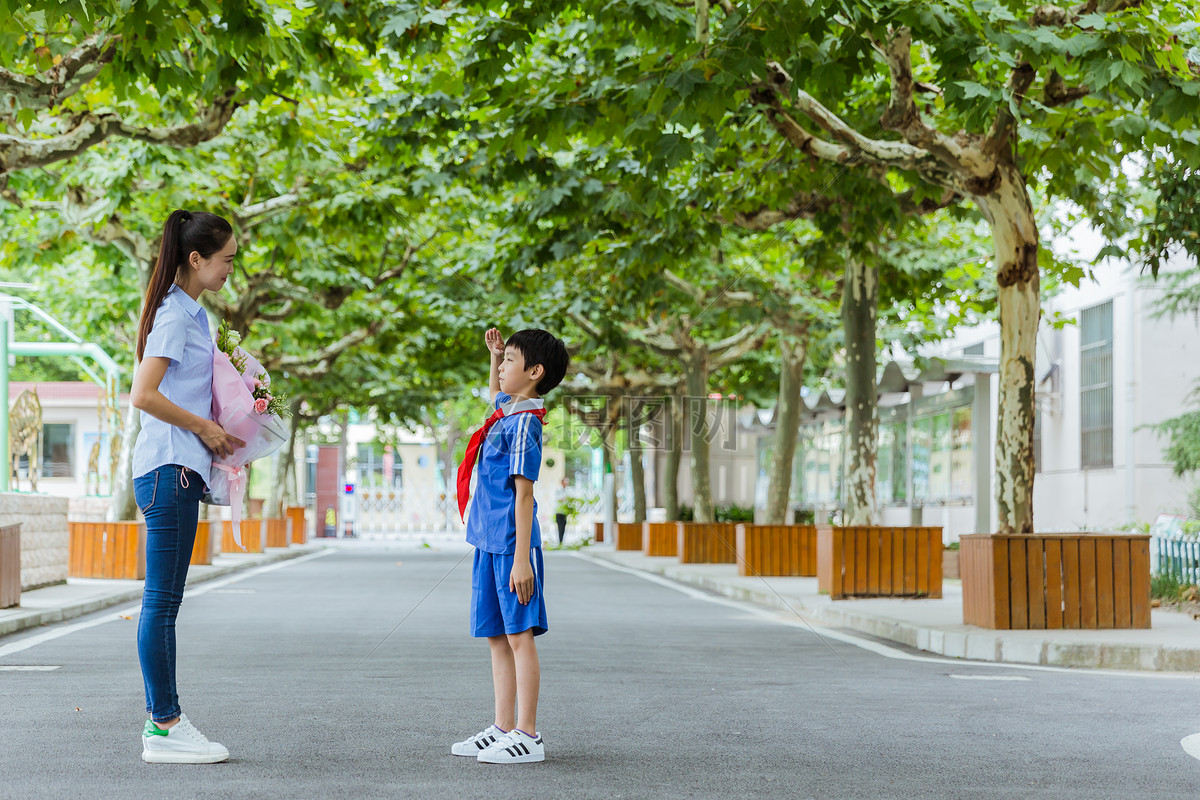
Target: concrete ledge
[1172,644]
[80,596]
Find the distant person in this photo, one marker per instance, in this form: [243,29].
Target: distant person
[560,510]
[507,603]
[172,458]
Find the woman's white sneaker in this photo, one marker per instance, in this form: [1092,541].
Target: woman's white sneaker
[517,747]
[474,745]
[179,744]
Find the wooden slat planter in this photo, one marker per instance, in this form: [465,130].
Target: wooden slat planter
[252,538]
[875,561]
[779,550]
[276,528]
[597,532]
[660,538]
[298,527]
[1056,580]
[10,565]
[206,535]
[107,550]
[706,542]
[628,536]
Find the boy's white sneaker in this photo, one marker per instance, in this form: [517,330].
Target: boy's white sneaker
[474,745]
[517,747]
[179,744]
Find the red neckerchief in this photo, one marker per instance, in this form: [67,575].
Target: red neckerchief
[468,463]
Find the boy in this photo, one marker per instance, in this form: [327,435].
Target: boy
[507,606]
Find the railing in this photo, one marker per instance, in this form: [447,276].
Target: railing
[1177,557]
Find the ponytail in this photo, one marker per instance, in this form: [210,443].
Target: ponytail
[183,234]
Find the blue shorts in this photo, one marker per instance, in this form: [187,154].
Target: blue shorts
[495,609]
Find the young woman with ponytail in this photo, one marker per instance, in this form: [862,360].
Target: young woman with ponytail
[172,459]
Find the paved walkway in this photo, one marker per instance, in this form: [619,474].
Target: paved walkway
[348,673]
[1172,643]
[80,596]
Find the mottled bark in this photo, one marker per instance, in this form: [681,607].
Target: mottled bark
[637,474]
[674,458]
[787,428]
[1015,239]
[860,301]
[696,368]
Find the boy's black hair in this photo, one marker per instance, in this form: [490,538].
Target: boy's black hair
[542,347]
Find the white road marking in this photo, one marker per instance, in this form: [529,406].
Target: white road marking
[235,591]
[204,588]
[988,677]
[1191,745]
[27,668]
[796,620]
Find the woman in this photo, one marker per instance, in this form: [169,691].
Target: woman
[172,458]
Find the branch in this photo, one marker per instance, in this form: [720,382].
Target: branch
[1056,93]
[251,214]
[855,148]
[996,143]
[17,153]
[804,205]
[316,364]
[733,348]
[657,341]
[903,116]
[47,89]
[720,297]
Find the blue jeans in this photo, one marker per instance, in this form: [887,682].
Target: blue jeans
[169,498]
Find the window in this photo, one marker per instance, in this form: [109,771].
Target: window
[1096,386]
[962,470]
[974,350]
[58,450]
[370,465]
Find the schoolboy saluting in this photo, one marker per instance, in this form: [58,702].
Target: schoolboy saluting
[507,604]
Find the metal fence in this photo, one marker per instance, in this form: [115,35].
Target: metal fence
[1177,557]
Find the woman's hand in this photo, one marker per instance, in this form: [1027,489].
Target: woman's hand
[216,439]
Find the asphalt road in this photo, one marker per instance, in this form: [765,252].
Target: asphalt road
[647,692]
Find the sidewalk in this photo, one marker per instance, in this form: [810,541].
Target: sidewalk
[1172,644]
[79,596]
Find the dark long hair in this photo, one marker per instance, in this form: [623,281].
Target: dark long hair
[183,233]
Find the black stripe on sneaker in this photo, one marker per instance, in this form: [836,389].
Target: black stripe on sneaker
[524,749]
[512,751]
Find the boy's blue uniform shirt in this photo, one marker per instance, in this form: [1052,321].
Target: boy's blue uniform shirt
[512,447]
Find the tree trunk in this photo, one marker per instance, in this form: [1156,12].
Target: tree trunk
[450,471]
[637,473]
[696,367]
[674,457]
[122,506]
[787,428]
[609,443]
[860,302]
[1015,239]
[286,456]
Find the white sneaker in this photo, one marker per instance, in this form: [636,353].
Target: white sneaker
[179,744]
[517,747]
[473,745]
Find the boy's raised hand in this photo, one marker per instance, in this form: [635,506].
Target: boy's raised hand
[494,342]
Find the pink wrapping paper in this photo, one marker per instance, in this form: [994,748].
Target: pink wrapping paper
[233,410]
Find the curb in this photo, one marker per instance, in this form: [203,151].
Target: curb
[47,616]
[976,644]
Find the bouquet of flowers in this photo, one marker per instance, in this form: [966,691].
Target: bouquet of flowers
[246,407]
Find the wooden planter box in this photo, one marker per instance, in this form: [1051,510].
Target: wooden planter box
[297,527]
[108,550]
[252,537]
[660,538]
[206,537]
[1056,580]
[706,542]
[779,550]
[950,564]
[276,528]
[10,565]
[875,561]
[628,536]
